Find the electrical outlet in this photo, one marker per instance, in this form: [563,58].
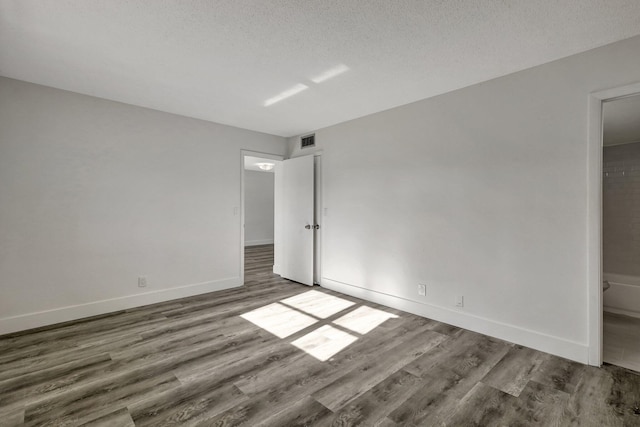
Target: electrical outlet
[459,301]
[422,289]
[142,282]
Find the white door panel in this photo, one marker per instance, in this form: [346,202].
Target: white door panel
[298,215]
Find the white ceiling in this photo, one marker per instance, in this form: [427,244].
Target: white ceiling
[621,121]
[221,60]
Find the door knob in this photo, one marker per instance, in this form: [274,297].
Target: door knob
[308,227]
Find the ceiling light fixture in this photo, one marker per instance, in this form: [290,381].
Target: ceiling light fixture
[286,94]
[265,166]
[330,73]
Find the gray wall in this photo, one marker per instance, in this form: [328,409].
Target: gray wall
[95,193]
[258,208]
[482,193]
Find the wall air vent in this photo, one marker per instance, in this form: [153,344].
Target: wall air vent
[308,141]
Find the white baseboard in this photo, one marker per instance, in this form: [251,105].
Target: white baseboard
[258,242]
[620,311]
[623,297]
[539,341]
[64,314]
[622,279]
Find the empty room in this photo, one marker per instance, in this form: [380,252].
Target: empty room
[319,213]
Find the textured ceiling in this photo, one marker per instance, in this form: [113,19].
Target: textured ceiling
[223,60]
[621,121]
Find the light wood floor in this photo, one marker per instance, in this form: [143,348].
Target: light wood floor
[276,353]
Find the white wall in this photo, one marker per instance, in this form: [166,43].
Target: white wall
[258,208]
[95,193]
[481,192]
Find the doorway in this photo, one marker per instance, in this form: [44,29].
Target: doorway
[621,231]
[594,218]
[271,187]
[258,224]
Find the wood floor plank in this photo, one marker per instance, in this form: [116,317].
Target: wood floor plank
[239,361]
[515,370]
[12,416]
[54,358]
[119,418]
[193,357]
[235,367]
[385,422]
[559,373]
[590,401]
[538,405]
[67,335]
[36,349]
[482,406]
[186,404]
[250,412]
[26,388]
[305,412]
[209,321]
[278,407]
[422,365]
[450,371]
[89,401]
[149,349]
[446,329]
[362,378]
[380,401]
[466,358]
[430,404]
[624,396]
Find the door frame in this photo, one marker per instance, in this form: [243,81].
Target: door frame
[319,217]
[251,153]
[594,216]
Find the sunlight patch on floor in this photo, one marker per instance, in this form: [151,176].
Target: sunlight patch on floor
[364,319]
[318,304]
[293,314]
[278,319]
[324,342]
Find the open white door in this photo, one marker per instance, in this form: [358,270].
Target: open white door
[298,228]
